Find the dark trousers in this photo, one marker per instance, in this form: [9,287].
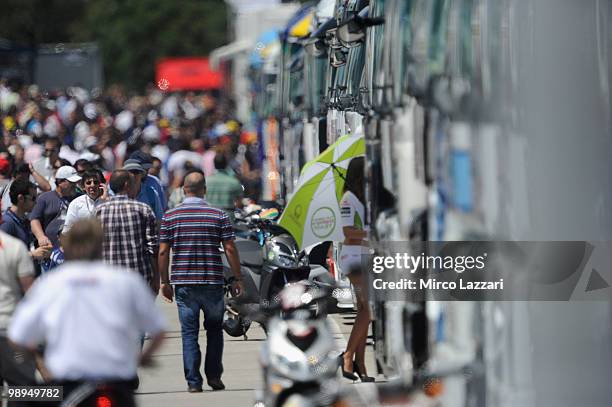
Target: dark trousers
[191,299]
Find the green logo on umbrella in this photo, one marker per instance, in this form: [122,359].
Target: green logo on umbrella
[323,222]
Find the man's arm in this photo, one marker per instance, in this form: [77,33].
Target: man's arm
[39,233]
[36,225]
[163,264]
[231,252]
[42,183]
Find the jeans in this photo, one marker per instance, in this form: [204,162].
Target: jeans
[190,299]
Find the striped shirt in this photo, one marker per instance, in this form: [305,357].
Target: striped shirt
[130,234]
[194,230]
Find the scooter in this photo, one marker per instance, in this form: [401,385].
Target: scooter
[299,359]
[269,259]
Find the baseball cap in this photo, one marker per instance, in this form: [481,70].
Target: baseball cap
[142,158]
[132,165]
[67,172]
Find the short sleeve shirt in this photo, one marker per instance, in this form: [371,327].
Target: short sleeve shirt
[51,210]
[194,230]
[352,211]
[15,263]
[58,311]
[222,190]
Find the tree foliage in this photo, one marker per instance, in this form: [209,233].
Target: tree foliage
[33,22]
[133,35]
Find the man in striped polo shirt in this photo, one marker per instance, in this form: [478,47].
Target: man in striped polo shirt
[194,231]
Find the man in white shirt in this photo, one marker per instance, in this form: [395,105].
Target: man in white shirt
[16,277]
[90,315]
[85,205]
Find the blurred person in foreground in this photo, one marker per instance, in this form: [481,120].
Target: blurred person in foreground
[223,190]
[90,316]
[130,230]
[16,277]
[194,231]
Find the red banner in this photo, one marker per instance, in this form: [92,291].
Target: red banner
[192,73]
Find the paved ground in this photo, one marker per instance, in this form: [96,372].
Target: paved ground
[164,384]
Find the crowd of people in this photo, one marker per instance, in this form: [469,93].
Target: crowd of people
[181,131]
[110,182]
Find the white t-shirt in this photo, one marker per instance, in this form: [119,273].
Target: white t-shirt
[82,207]
[352,211]
[91,317]
[15,262]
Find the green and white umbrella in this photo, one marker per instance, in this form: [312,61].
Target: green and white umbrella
[312,214]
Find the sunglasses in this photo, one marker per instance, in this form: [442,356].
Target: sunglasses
[91,181]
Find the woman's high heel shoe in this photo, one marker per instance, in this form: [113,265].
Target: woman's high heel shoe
[350,375]
[347,375]
[363,377]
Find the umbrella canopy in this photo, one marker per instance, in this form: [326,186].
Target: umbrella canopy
[313,212]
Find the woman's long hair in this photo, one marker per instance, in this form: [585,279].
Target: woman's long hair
[355,178]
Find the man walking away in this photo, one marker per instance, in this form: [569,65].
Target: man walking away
[194,231]
[90,316]
[16,277]
[130,230]
[224,191]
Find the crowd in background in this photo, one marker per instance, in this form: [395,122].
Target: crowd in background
[81,137]
[180,131]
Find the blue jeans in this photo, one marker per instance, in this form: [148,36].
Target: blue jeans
[190,300]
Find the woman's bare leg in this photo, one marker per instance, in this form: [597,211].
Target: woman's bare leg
[359,334]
